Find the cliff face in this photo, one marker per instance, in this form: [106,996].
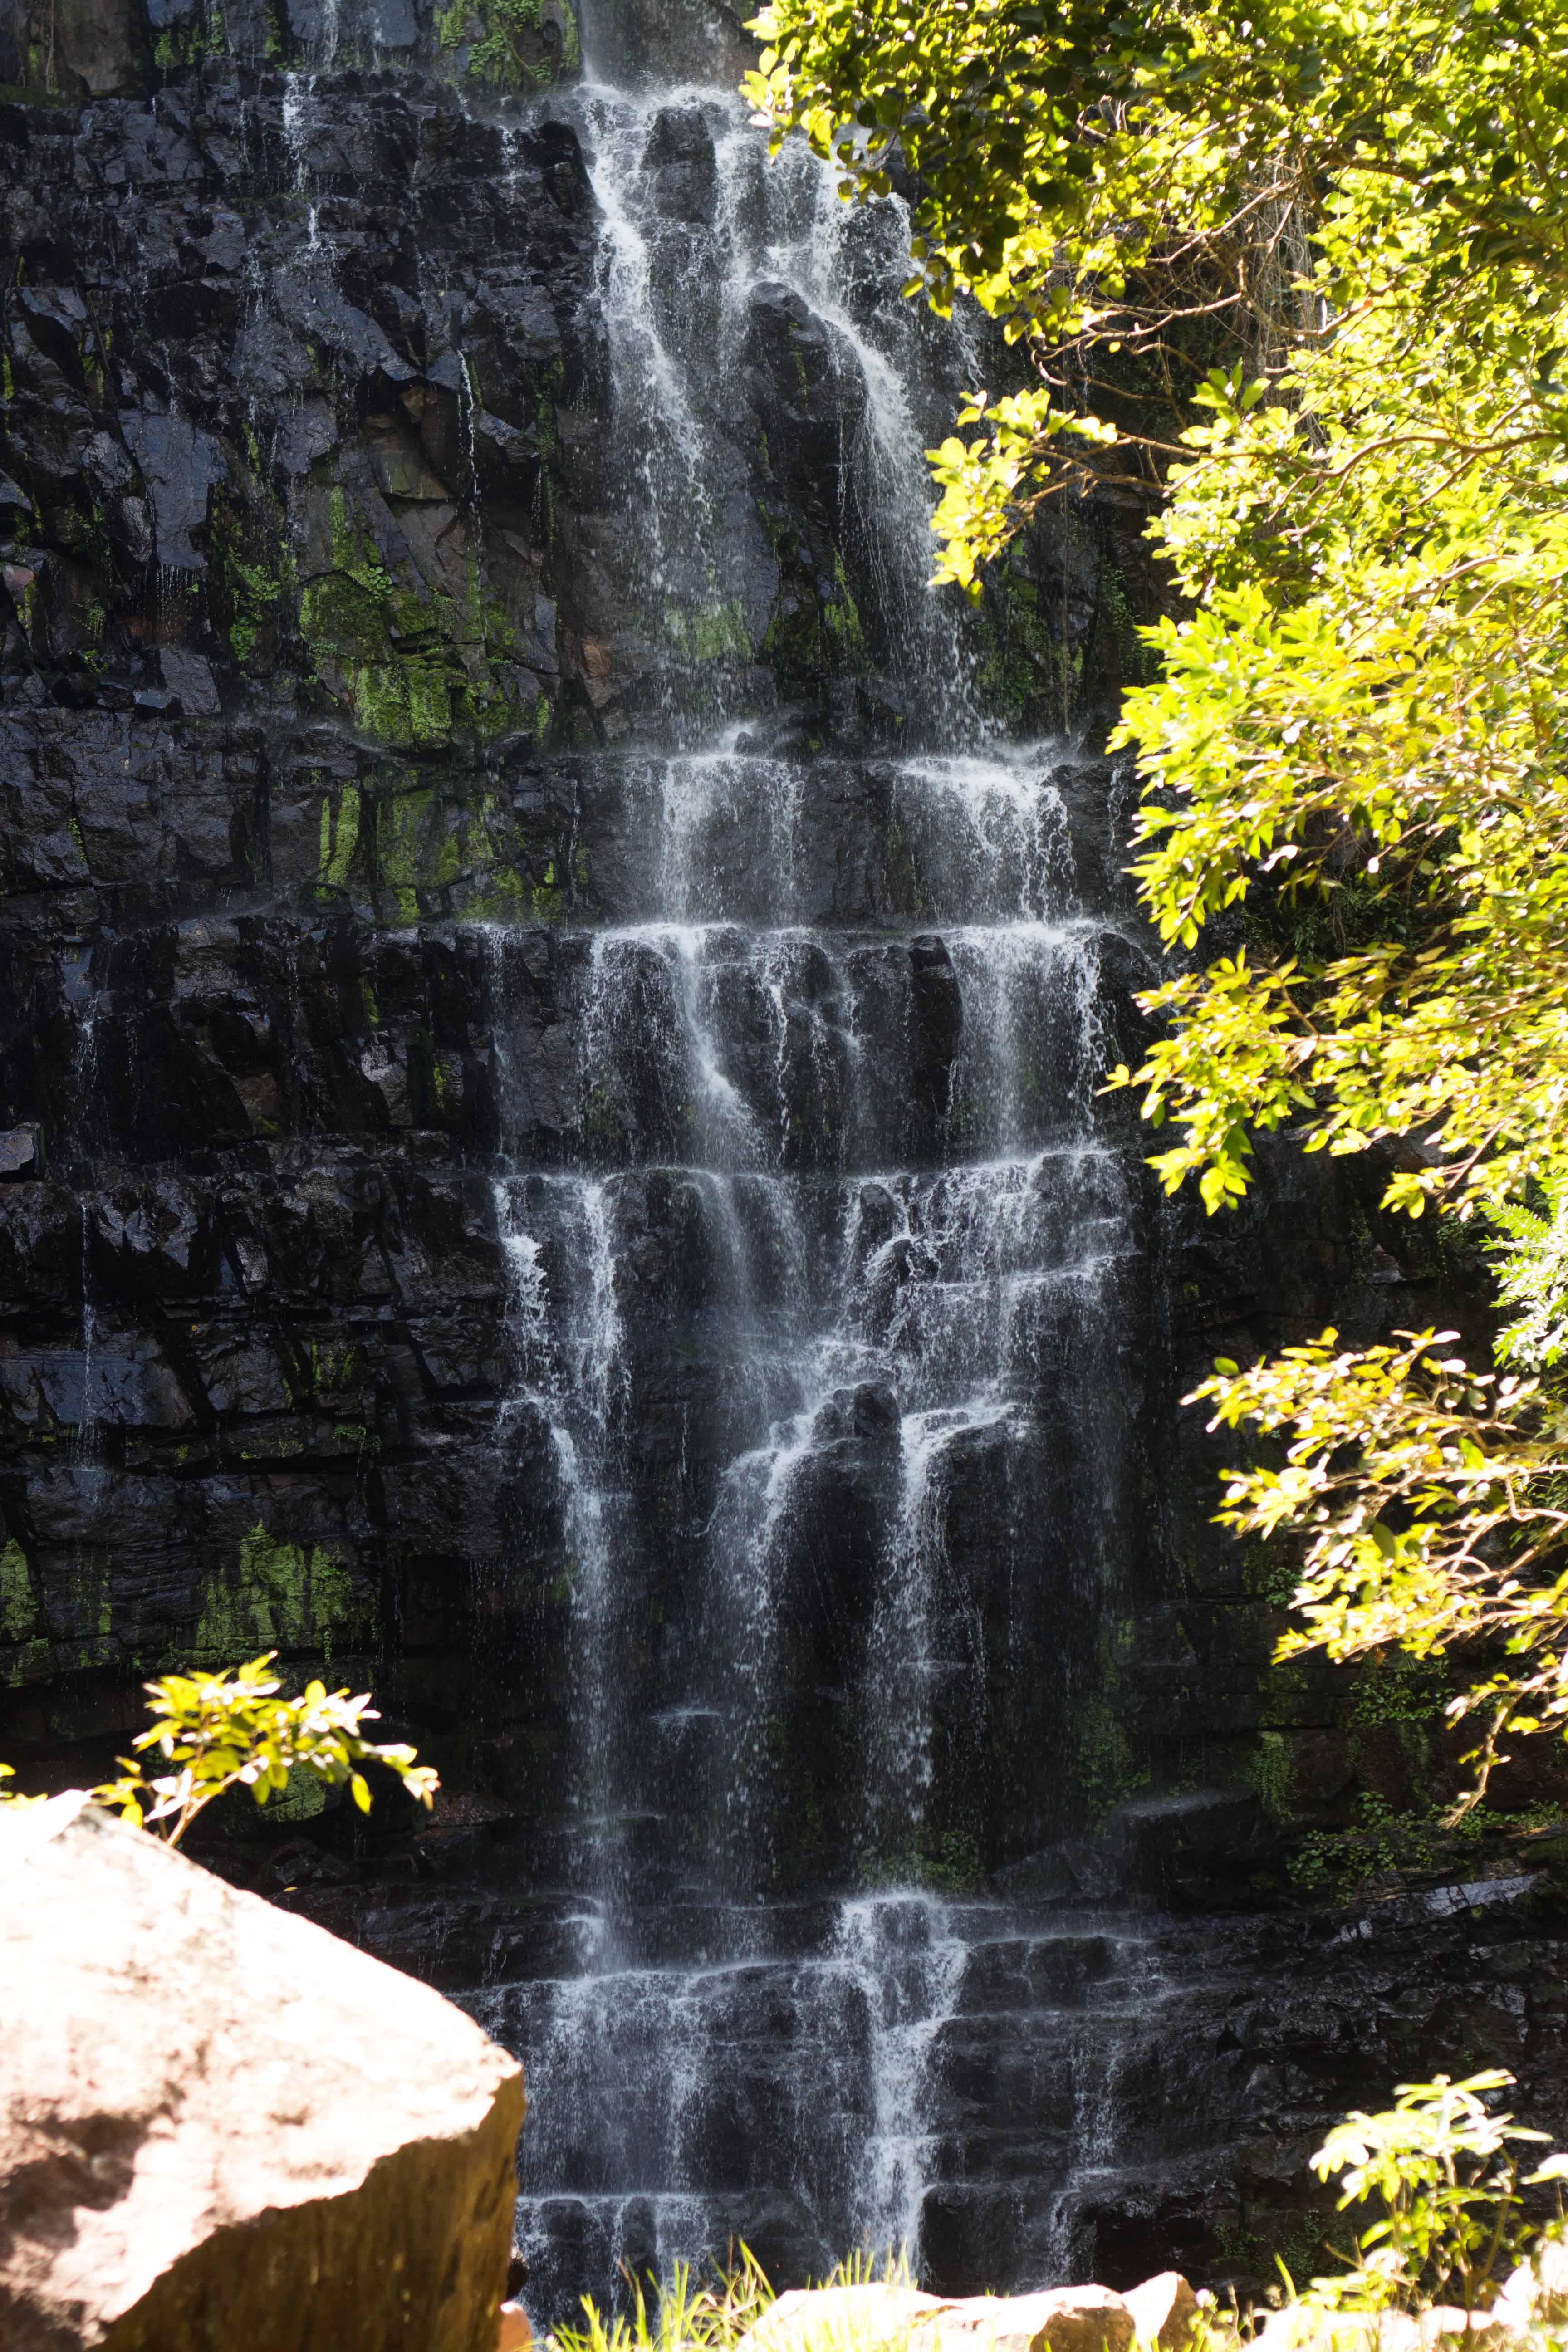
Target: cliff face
[552,1167]
[335,680]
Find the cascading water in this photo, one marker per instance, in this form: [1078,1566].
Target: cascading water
[840,1203]
[716,266]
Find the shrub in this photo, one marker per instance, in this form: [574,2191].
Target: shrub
[221,1731]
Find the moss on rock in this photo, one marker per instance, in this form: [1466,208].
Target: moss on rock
[282,1596]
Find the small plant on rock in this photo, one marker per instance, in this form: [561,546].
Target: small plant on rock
[218,1732]
[1445,2170]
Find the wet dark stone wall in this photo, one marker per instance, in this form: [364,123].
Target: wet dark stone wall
[286,376]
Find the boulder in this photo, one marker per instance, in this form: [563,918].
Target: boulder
[1059,2319]
[1302,2327]
[1445,2323]
[1165,2311]
[1299,2327]
[841,2319]
[862,2318]
[19,1154]
[221,2126]
[1537,2289]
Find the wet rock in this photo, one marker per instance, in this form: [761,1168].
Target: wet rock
[189,677]
[680,155]
[181,466]
[95,47]
[1193,1849]
[347,2148]
[936,1005]
[808,397]
[668,41]
[19,1151]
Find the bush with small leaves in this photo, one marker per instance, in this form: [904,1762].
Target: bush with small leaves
[218,1732]
[1441,2163]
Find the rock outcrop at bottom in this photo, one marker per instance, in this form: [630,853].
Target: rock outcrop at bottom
[874,2315]
[1162,2315]
[220,2125]
[1165,2311]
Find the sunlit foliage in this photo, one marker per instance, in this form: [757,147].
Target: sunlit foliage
[218,1732]
[1303,271]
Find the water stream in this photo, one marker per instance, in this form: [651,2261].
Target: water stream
[841,1205]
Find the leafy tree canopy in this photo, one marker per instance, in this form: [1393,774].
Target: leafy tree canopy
[1303,271]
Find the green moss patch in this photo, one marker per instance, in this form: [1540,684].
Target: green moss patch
[282,1596]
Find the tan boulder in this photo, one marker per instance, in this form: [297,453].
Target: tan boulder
[1550,2263]
[841,2319]
[1537,2289]
[1443,2323]
[1061,2319]
[1057,2320]
[222,2126]
[1165,2311]
[869,2318]
[1301,2328]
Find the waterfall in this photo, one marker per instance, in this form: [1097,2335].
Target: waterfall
[816,1315]
[715,264]
[557,1168]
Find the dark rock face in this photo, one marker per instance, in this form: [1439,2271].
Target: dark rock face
[680,155]
[1192,2119]
[551,1165]
[182,565]
[75,49]
[667,42]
